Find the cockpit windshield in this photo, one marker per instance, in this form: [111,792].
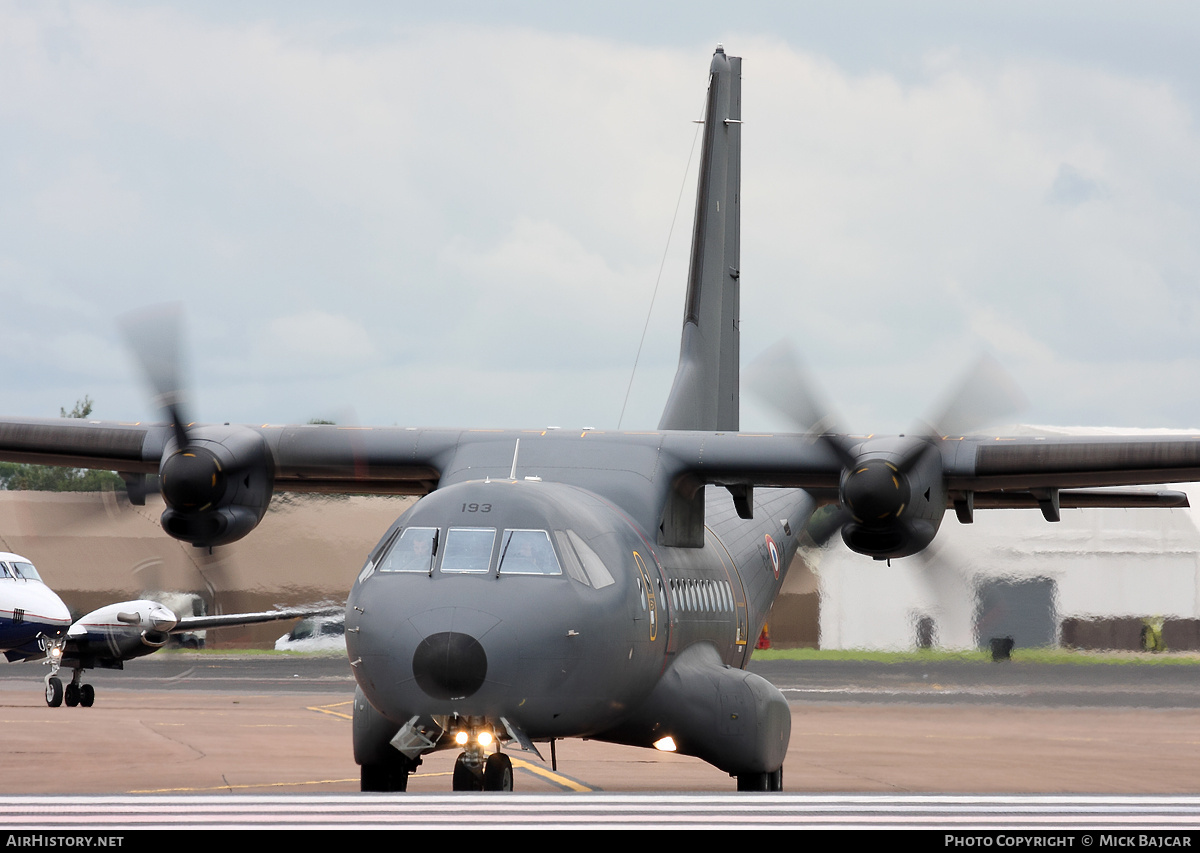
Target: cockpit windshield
[527,552]
[26,571]
[412,552]
[19,570]
[468,549]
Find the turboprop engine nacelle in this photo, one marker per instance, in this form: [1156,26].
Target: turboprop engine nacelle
[217,487]
[896,496]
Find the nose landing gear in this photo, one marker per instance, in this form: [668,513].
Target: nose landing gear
[54,691]
[497,773]
[474,772]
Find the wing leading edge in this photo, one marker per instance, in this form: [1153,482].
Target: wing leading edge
[410,461]
[965,472]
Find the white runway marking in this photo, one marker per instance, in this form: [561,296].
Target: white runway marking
[579,811]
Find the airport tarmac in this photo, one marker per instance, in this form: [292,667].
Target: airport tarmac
[271,724]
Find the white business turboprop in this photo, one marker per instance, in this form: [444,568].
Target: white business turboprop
[115,633]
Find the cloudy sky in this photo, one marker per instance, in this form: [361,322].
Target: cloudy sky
[385,214]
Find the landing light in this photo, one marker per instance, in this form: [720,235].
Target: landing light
[483,738]
[55,652]
[666,744]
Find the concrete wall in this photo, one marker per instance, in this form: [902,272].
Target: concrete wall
[94,549]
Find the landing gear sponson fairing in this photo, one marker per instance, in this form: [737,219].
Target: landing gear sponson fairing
[554,584]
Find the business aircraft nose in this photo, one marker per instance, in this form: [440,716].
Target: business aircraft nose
[58,612]
[449,665]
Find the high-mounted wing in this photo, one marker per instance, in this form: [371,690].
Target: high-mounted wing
[894,490]
[217,486]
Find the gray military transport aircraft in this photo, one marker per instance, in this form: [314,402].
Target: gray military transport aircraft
[608,585]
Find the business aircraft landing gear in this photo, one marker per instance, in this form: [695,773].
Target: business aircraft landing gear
[54,691]
[78,693]
[75,693]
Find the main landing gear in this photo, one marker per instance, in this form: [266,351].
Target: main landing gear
[387,778]
[75,693]
[760,781]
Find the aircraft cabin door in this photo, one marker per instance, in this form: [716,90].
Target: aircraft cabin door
[650,602]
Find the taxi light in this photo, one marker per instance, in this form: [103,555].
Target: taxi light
[461,738]
[485,738]
[666,744]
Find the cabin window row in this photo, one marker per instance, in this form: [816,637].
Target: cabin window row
[701,595]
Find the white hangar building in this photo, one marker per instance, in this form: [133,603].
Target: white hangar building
[1091,580]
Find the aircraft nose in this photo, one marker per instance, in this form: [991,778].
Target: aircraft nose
[449,665]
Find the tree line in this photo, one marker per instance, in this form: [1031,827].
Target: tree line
[15,476]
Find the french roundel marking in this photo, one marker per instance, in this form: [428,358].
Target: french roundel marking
[774,555]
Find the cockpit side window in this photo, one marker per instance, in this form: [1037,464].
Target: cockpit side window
[4,572]
[26,571]
[570,558]
[527,552]
[592,564]
[411,552]
[468,549]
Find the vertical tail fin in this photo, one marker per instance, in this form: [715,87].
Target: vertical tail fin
[705,393]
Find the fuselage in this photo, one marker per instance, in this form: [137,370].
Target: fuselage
[546,605]
[29,610]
